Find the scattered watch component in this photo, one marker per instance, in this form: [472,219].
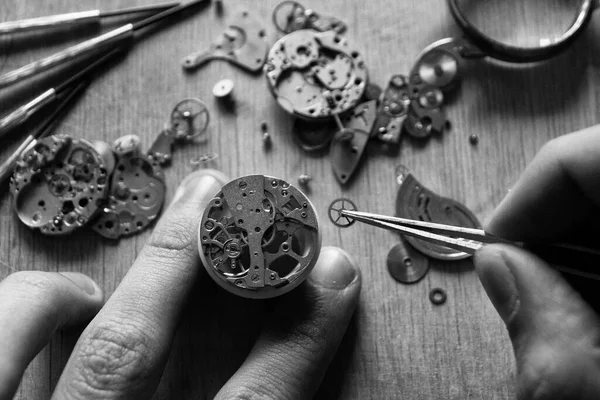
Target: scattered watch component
[304,179]
[395,102]
[223,90]
[437,296]
[405,264]
[137,192]
[291,16]
[189,121]
[315,75]
[204,160]
[414,201]
[474,139]
[335,215]
[243,43]
[259,237]
[266,136]
[349,144]
[438,69]
[313,136]
[58,184]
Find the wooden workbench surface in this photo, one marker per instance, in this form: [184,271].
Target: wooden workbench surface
[399,345]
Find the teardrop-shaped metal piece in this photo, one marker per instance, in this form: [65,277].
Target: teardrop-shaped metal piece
[415,201]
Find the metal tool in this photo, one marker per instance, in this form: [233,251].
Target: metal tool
[122,36]
[75,18]
[585,261]
[48,125]
[24,112]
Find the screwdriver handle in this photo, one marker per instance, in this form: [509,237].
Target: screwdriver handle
[23,25]
[117,35]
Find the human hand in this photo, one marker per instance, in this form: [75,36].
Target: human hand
[554,332]
[123,350]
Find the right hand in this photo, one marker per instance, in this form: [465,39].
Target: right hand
[554,332]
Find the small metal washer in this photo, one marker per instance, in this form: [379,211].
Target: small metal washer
[437,296]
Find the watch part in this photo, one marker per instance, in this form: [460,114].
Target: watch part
[395,102]
[58,184]
[243,43]
[223,89]
[414,201]
[188,121]
[334,212]
[438,69]
[349,144]
[405,264]
[437,296]
[137,193]
[291,16]
[259,237]
[315,75]
[313,136]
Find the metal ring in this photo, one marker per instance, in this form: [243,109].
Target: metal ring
[437,296]
[516,54]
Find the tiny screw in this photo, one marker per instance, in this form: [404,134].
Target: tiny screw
[473,139]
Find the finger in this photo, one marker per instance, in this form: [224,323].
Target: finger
[302,335]
[122,352]
[33,305]
[557,191]
[555,334]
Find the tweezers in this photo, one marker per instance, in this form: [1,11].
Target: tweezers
[573,260]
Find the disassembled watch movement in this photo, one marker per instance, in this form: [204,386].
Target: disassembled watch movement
[60,183]
[259,237]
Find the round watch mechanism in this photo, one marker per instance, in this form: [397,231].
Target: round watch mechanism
[315,75]
[58,184]
[137,193]
[259,237]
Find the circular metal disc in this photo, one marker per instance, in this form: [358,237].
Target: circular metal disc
[407,265]
[223,88]
[438,68]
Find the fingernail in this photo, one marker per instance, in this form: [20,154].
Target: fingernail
[492,266]
[334,269]
[84,282]
[205,179]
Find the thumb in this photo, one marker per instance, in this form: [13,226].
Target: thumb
[554,332]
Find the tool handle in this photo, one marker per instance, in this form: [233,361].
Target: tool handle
[122,33]
[51,21]
[22,113]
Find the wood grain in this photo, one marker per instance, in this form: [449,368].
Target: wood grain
[399,344]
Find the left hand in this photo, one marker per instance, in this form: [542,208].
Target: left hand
[123,351]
